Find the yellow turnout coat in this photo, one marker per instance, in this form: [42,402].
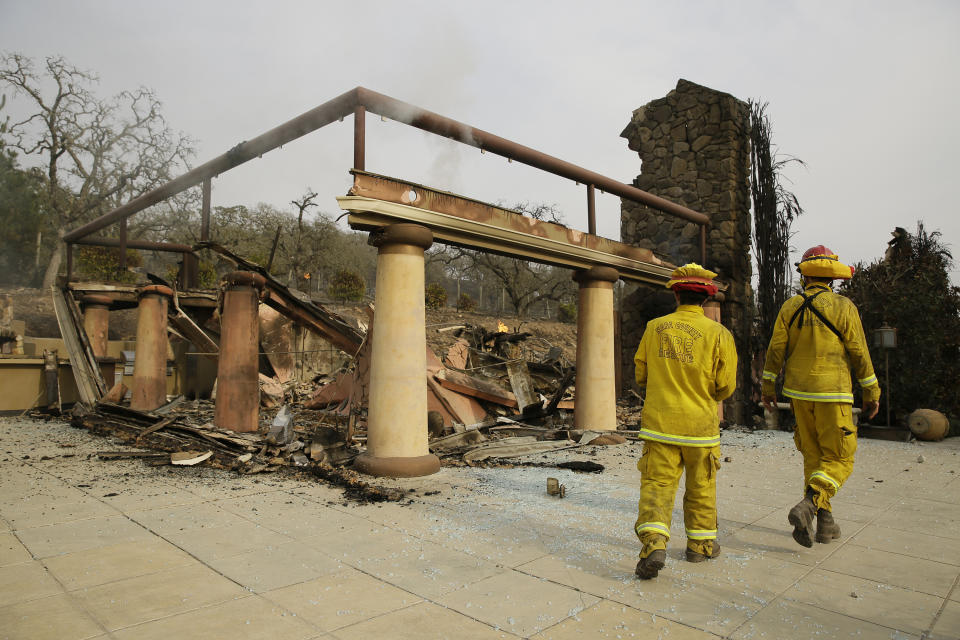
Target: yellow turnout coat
[694,363]
[817,363]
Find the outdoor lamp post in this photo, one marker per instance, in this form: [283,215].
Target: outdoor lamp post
[886,338]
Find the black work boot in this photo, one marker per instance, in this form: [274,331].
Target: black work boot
[801,517]
[827,527]
[696,556]
[650,566]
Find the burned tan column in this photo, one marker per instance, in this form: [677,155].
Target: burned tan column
[150,366]
[96,322]
[238,384]
[397,410]
[596,396]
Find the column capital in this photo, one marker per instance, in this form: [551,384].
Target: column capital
[156,290]
[403,233]
[96,300]
[245,278]
[596,276]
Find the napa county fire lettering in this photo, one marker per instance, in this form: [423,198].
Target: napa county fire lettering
[676,346]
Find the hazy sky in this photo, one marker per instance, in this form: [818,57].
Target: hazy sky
[866,93]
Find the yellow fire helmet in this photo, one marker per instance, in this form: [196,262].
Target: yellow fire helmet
[693,277]
[821,262]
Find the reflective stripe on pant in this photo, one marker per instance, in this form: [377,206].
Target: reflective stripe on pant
[827,439]
[661,467]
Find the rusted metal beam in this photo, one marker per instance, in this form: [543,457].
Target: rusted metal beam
[388,107]
[148,245]
[205,211]
[303,124]
[591,210]
[123,244]
[359,137]
[440,125]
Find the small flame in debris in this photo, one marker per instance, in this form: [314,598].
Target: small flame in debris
[502,327]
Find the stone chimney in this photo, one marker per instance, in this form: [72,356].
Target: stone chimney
[694,145]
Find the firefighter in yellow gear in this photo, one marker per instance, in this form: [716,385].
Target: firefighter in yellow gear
[817,339]
[688,364]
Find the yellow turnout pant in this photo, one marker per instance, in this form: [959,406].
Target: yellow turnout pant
[827,439]
[661,467]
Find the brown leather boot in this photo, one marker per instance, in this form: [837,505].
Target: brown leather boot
[696,556]
[650,566]
[827,527]
[801,517]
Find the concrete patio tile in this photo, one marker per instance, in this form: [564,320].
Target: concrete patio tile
[909,543]
[362,544]
[273,567]
[923,516]
[424,621]
[745,572]
[508,545]
[789,619]
[518,603]
[947,626]
[883,604]
[742,511]
[248,618]
[606,581]
[752,494]
[612,620]
[132,497]
[53,618]
[412,519]
[341,599]
[39,493]
[777,543]
[715,596]
[38,514]
[26,581]
[202,515]
[102,565]
[80,535]
[217,484]
[314,520]
[878,496]
[265,505]
[12,551]
[925,576]
[136,600]
[428,569]
[218,542]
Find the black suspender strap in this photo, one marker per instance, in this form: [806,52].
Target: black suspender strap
[808,304]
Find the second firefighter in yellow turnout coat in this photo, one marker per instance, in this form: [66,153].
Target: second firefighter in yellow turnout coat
[688,364]
[817,339]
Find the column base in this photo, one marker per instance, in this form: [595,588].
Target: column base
[412,467]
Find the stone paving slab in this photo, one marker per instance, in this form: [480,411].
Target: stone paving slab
[121,549]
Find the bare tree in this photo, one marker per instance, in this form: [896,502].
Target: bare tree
[524,283]
[303,204]
[96,153]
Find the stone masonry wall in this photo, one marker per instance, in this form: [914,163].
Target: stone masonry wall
[695,150]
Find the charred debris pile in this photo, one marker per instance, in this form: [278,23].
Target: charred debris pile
[496,397]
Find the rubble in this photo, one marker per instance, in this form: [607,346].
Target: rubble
[496,395]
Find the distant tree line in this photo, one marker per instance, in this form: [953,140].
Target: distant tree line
[70,155]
